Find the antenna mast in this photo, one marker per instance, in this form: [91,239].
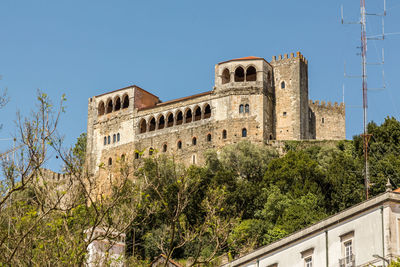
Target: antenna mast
[364,38]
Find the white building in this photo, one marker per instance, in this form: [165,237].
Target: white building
[107,249]
[367,234]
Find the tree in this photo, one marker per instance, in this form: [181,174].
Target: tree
[53,218]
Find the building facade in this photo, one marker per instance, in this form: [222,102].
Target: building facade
[252,100]
[367,234]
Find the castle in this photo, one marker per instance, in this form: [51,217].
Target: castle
[252,100]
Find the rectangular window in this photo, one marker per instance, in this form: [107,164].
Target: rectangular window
[308,262]
[348,257]
[307,256]
[348,251]
[284,114]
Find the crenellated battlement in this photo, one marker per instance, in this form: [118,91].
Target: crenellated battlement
[327,105]
[289,57]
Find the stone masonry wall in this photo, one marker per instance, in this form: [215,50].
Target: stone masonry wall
[329,119]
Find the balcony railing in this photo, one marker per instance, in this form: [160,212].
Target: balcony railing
[349,261]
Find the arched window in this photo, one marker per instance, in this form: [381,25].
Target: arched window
[123,157]
[161,122]
[226,76]
[239,74]
[170,120]
[117,103]
[224,134]
[197,114]
[251,74]
[179,118]
[152,124]
[114,138]
[118,137]
[109,106]
[109,161]
[247,108]
[105,140]
[283,85]
[244,132]
[188,116]
[179,144]
[143,126]
[270,137]
[194,141]
[151,150]
[207,111]
[125,102]
[108,139]
[101,108]
[209,137]
[241,108]
[137,155]
[164,149]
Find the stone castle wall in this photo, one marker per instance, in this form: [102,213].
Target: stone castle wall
[248,102]
[328,120]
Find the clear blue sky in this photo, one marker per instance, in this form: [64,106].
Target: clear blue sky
[85,48]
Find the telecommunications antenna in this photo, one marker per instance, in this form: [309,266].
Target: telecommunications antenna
[363,54]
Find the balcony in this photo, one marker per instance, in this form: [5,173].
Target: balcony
[349,261]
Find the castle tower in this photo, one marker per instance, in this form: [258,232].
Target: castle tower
[245,95]
[291,97]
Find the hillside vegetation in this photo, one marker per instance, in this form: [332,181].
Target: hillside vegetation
[244,197]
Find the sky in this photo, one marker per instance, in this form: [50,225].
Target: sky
[86,48]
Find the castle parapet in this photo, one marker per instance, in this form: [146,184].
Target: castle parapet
[290,56]
[327,105]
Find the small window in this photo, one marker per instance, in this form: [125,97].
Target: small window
[118,137]
[284,114]
[109,161]
[194,159]
[179,144]
[108,139]
[170,120]
[207,111]
[164,149]
[188,116]
[105,140]
[208,137]
[194,141]
[239,74]
[137,155]
[110,106]
[251,74]
[123,157]
[308,262]
[226,76]
[224,134]
[179,118]
[247,108]
[283,85]
[244,132]
[142,126]
[114,138]
[125,103]
[151,150]
[101,109]
[323,120]
[117,104]
[152,125]
[241,108]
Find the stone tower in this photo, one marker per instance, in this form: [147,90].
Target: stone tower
[291,97]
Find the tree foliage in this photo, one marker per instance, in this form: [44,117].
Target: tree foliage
[243,197]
